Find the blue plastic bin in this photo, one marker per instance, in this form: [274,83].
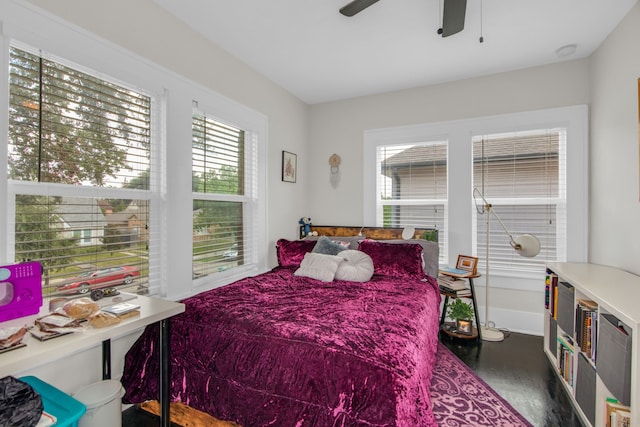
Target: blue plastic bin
[59,404]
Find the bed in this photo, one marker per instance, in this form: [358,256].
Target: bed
[290,348]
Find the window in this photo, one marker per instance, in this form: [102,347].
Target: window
[522,174]
[224,168]
[79,167]
[412,187]
[535,173]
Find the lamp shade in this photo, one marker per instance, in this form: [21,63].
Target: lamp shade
[527,245]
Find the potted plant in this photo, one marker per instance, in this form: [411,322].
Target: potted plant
[459,310]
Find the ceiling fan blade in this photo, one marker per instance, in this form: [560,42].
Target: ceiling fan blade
[356,6]
[453,17]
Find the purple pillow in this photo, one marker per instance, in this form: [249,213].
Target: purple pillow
[394,259]
[291,252]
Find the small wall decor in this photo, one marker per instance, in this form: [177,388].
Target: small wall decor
[334,162]
[289,166]
[334,168]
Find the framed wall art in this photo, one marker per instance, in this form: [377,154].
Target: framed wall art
[289,166]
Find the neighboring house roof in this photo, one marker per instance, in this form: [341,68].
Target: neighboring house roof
[530,145]
[79,212]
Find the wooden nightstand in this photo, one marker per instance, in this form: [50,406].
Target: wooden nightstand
[445,326]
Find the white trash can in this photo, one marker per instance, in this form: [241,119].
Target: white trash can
[103,402]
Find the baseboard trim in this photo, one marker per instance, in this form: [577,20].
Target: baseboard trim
[516,321]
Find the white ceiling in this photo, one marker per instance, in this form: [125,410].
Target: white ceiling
[319,55]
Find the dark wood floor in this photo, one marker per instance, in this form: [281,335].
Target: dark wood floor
[520,372]
[516,368]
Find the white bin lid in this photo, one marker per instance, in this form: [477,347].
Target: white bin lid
[100,393]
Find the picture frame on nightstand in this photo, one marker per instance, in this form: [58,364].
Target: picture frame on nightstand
[467,263]
[464,327]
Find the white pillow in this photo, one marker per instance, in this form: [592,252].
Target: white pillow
[357,266]
[319,266]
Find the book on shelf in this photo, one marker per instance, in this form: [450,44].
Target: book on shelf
[551,292]
[617,415]
[586,327]
[566,342]
[565,358]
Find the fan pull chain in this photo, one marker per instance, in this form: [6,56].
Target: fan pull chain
[481,39]
[440,30]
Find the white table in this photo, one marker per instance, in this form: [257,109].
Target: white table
[37,353]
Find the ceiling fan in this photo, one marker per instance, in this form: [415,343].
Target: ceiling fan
[452,19]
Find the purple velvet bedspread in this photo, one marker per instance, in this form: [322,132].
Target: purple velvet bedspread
[281,350]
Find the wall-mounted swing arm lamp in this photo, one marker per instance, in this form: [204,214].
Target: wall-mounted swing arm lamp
[526,245]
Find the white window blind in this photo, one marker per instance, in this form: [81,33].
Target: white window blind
[79,166]
[412,187]
[523,176]
[224,160]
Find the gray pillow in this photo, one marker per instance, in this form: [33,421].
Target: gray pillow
[327,247]
[319,266]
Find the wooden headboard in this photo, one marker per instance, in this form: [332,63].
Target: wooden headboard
[378,233]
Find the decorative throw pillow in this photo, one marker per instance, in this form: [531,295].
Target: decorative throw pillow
[394,259]
[430,254]
[327,246]
[319,266]
[357,266]
[291,252]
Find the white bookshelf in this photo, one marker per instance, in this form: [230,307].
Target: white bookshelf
[616,292]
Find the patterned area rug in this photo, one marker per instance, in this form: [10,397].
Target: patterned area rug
[461,398]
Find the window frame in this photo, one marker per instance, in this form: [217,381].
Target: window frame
[254,125]
[460,167]
[498,238]
[428,203]
[27,187]
[170,263]
[247,197]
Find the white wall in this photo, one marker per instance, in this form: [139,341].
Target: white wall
[614,199]
[339,127]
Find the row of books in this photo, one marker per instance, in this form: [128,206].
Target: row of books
[587,327]
[617,415]
[586,316]
[565,358]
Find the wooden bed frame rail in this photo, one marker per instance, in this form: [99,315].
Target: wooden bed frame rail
[377,233]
